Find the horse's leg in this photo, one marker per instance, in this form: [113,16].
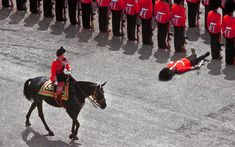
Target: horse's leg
[75,125]
[41,115]
[72,130]
[33,105]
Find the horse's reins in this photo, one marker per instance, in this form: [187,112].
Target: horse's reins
[90,98]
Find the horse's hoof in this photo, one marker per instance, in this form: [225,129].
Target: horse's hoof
[71,136]
[50,133]
[27,124]
[75,137]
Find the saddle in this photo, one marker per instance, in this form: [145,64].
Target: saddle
[49,89]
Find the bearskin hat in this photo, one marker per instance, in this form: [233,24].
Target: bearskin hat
[178,1]
[60,51]
[229,6]
[165,74]
[215,4]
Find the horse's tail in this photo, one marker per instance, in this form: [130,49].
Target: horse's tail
[27,90]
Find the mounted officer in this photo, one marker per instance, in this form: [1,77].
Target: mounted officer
[57,72]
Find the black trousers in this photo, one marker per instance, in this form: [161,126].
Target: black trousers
[215,46]
[230,51]
[147,31]
[72,8]
[116,22]
[179,38]
[193,10]
[162,34]
[5,3]
[207,9]
[103,19]
[20,4]
[194,60]
[131,26]
[33,6]
[60,10]
[47,8]
[86,15]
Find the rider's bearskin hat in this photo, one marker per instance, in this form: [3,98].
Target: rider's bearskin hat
[230,6]
[60,51]
[215,4]
[165,74]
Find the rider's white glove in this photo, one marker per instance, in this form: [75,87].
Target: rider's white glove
[55,83]
[69,72]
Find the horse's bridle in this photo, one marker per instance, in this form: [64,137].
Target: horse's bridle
[93,99]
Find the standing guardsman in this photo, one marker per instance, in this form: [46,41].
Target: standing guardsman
[20,5]
[117,7]
[86,13]
[6,3]
[103,17]
[132,11]
[193,13]
[214,28]
[178,20]
[206,3]
[60,10]
[72,8]
[228,31]
[47,8]
[162,16]
[146,13]
[34,6]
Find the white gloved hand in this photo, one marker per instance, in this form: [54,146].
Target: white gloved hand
[69,72]
[55,83]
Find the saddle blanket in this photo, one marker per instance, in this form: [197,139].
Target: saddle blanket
[48,90]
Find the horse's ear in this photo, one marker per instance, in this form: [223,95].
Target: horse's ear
[98,87]
[103,84]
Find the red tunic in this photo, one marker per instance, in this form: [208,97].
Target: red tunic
[117,5]
[214,22]
[162,11]
[58,66]
[180,66]
[178,15]
[146,9]
[228,26]
[103,3]
[132,7]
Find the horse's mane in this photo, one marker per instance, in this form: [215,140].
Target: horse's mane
[86,84]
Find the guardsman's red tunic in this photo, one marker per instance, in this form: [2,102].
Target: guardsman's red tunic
[180,66]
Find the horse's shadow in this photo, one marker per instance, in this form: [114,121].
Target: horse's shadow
[44,24]
[4,13]
[31,20]
[102,39]
[214,67]
[145,52]
[39,140]
[130,48]
[229,71]
[162,56]
[17,17]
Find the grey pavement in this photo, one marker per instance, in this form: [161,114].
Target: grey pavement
[191,110]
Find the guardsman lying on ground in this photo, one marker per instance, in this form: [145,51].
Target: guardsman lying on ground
[182,65]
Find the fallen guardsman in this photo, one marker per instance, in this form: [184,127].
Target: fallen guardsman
[182,65]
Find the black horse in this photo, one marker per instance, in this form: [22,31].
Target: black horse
[78,91]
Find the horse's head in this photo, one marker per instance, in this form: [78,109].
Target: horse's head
[98,96]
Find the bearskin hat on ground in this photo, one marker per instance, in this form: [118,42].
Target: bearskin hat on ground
[166,74]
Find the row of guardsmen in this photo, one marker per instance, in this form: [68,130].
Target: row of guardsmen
[141,12]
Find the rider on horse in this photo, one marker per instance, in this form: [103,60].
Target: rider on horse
[57,72]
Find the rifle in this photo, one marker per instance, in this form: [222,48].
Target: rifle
[11,4]
[169,30]
[92,15]
[198,15]
[64,9]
